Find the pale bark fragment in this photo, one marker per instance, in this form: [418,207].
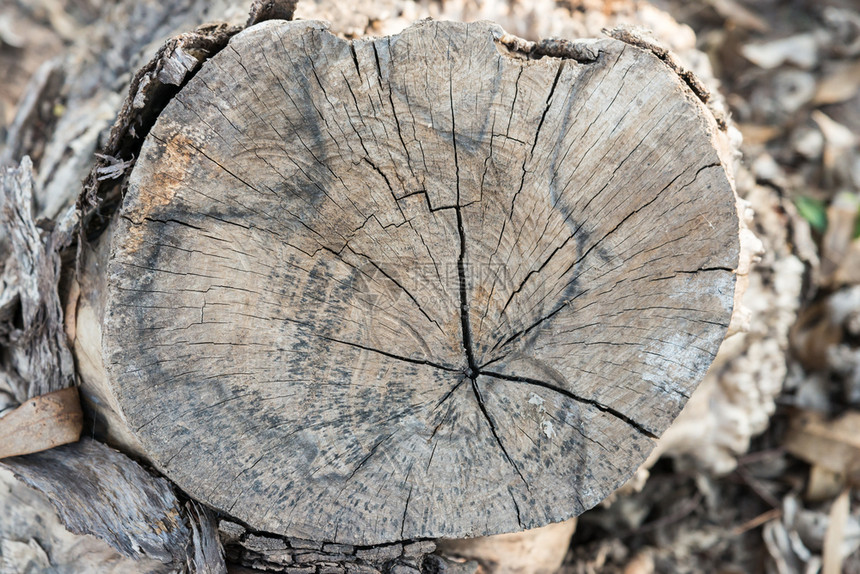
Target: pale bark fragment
[41,423]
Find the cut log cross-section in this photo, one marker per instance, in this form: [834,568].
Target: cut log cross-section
[429,285]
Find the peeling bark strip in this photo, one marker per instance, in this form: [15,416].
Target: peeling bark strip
[205,555]
[150,90]
[419,286]
[273,553]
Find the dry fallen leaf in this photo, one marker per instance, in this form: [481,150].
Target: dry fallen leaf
[740,15]
[642,563]
[823,484]
[755,134]
[832,444]
[841,217]
[849,271]
[813,334]
[840,85]
[800,50]
[536,551]
[838,144]
[834,538]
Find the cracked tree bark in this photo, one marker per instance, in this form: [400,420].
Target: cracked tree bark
[442,284]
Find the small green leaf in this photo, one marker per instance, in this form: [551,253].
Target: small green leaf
[813,211]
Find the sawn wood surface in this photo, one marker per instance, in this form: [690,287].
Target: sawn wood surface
[418,286]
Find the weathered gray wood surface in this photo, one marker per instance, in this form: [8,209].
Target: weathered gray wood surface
[33,539]
[36,365]
[97,490]
[35,356]
[418,286]
[112,504]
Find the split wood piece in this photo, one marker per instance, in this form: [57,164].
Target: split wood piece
[97,490]
[29,520]
[34,355]
[41,423]
[419,286]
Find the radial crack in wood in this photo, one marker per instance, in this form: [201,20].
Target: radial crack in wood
[418,286]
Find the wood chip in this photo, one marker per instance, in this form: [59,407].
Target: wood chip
[41,423]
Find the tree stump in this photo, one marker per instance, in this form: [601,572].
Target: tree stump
[439,284]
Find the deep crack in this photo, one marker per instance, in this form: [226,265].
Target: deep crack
[472,371]
[596,404]
[472,366]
